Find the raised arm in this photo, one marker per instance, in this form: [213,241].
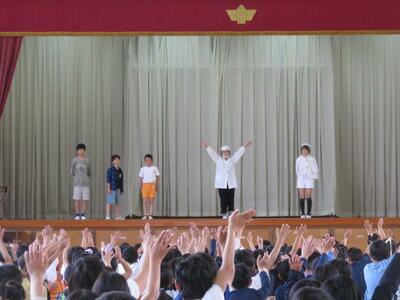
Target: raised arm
[227,271]
[239,153]
[211,152]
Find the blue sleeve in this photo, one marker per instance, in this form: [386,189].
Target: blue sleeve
[322,261]
[305,263]
[265,289]
[213,247]
[294,276]
[109,175]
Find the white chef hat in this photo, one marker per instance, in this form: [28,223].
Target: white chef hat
[305,145]
[225,148]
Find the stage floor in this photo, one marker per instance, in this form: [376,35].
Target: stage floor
[25,230]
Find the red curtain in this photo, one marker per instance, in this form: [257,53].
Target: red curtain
[9,51]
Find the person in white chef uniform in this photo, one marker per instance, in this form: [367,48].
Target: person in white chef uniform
[307,173]
[225,176]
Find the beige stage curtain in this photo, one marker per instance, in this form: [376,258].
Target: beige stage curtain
[162,95]
[65,91]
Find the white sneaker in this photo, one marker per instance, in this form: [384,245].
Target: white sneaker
[108,218]
[77,217]
[225,217]
[150,217]
[144,218]
[83,217]
[302,217]
[308,217]
[119,218]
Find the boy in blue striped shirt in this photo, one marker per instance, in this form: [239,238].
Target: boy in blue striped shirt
[115,186]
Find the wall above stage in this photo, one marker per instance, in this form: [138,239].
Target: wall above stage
[62,17]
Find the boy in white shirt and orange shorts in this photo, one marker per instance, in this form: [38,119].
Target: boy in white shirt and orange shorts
[149,180]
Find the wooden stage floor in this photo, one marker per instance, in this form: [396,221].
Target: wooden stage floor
[25,230]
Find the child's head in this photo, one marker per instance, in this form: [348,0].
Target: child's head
[81,150]
[225,152]
[379,250]
[305,149]
[116,160]
[242,279]
[195,274]
[148,159]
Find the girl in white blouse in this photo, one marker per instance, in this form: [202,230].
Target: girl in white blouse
[307,173]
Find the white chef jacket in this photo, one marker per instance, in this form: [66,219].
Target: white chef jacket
[306,166]
[225,175]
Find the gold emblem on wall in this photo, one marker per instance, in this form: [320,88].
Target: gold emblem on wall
[241,15]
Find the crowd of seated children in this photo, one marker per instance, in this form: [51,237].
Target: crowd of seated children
[201,263]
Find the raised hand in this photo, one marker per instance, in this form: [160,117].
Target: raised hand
[368,227]
[346,237]
[204,143]
[308,247]
[295,263]
[160,246]
[265,262]
[115,237]
[260,242]
[213,233]
[36,260]
[183,243]
[238,220]
[282,233]
[248,144]
[300,230]
[107,257]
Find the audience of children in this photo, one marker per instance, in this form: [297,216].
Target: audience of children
[207,264]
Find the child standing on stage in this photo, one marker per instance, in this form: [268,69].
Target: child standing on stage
[307,173]
[115,186]
[81,170]
[225,176]
[149,180]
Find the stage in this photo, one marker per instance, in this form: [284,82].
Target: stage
[26,229]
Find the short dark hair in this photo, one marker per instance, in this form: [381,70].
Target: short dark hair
[246,257]
[283,269]
[341,287]
[379,250]
[306,147]
[81,146]
[242,277]
[172,254]
[130,254]
[311,293]
[84,273]
[109,282]
[21,263]
[354,254]
[167,276]
[22,249]
[10,272]
[114,157]
[148,156]
[12,290]
[342,267]
[303,283]
[341,251]
[82,294]
[195,274]
[75,253]
[324,272]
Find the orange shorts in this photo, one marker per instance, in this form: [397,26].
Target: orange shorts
[149,190]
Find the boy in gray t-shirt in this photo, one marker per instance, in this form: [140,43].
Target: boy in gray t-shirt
[80,169]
